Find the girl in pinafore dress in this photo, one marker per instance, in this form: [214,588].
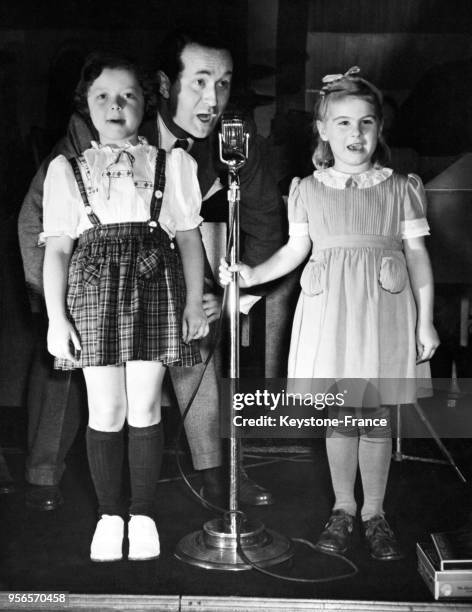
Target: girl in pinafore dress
[365,309]
[123,301]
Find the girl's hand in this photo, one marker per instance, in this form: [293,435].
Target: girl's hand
[427,341]
[225,273]
[62,339]
[194,323]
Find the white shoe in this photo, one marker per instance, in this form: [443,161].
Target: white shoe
[143,538]
[107,542]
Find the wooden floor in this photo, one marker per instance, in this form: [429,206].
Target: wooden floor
[49,551]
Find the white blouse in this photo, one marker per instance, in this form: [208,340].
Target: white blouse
[119,184]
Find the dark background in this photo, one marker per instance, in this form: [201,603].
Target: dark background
[419,52]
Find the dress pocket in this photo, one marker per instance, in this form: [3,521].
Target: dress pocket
[313,278]
[149,265]
[393,274]
[91,274]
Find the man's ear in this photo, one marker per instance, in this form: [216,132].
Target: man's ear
[164,84]
[321,129]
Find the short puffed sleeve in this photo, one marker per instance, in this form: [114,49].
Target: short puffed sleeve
[61,201]
[413,222]
[182,198]
[297,215]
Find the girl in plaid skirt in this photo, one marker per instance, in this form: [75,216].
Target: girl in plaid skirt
[123,302]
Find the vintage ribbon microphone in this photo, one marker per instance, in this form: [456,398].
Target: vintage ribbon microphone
[216,546]
[234,147]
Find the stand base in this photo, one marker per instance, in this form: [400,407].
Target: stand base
[399,456]
[215,547]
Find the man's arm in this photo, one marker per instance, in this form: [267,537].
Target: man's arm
[30,220]
[263,215]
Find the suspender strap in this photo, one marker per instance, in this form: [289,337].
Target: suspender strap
[94,220]
[158,191]
[159,186]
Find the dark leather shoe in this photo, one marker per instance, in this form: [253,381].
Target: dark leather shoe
[213,496]
[7,487]
[337,534]
[381,540]
[213,489]
[43,497]
[251,493]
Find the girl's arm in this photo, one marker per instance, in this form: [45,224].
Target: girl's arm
[194,323]
[61,333]
[421,277]
[283,261]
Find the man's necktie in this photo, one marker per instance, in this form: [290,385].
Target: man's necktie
[181,143]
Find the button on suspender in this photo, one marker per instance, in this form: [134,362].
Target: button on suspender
[159,186]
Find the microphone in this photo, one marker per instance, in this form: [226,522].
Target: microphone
[234,140]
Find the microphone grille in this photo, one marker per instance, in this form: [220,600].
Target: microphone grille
[232,129]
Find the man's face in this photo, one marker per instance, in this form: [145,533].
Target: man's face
[200,94]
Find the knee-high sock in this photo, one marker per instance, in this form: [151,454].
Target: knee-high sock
[105,457]
[145,446]
[374,463]
[342,453]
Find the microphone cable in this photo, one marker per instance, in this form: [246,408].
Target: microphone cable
[240,515]
[296,579]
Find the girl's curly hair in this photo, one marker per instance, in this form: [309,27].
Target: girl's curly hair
[93,67]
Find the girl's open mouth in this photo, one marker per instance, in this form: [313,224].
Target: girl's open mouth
[355,147]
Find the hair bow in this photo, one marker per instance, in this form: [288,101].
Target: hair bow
[330,80]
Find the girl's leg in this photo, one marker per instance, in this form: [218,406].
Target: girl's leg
[375,452]
[374,464]
[145,446]
[106,394]
[342,450]
[107,410]
[145,435]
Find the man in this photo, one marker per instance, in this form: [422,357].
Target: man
[194,89]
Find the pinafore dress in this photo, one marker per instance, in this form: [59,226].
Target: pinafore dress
[356,314]
[126,289]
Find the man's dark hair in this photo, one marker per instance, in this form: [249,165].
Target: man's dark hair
[170,54]
[93,67]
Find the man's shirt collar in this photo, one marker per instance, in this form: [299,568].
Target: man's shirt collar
[166,138]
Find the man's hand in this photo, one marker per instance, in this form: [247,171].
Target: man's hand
[212,306]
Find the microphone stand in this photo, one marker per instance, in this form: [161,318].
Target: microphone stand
[234,196]
[216,546]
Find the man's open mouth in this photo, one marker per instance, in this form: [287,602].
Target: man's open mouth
[205,117]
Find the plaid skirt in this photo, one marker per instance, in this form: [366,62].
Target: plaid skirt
[125,297]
